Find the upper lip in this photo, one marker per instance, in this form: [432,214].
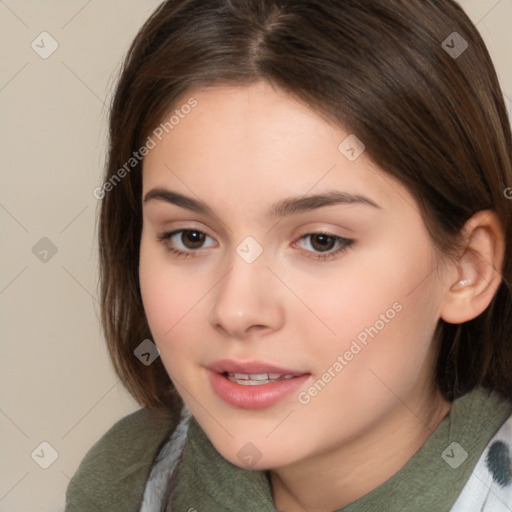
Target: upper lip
[250,367]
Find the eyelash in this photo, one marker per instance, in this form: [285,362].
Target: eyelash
[345,243]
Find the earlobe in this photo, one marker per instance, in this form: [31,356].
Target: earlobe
[479,268]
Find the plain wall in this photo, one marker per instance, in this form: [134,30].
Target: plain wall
[56,382]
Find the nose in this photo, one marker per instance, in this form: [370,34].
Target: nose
[247,301]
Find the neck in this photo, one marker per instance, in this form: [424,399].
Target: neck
[332,480]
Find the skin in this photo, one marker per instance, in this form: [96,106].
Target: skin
[239,151]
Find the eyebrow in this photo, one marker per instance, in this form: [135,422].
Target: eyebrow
[283,208]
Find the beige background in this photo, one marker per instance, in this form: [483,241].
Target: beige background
[56,383]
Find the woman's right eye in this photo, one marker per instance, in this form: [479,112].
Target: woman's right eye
[185,242]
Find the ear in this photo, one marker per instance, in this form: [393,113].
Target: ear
[477,274]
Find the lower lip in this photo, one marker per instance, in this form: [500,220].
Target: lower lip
[254,397]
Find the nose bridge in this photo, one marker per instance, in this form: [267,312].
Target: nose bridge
[246,297]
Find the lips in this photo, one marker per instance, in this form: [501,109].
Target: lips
[256,379]
[251,368]
[254,384]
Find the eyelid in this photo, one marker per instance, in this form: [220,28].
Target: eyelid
[167,235]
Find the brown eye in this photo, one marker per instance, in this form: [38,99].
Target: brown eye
[186,241]
[324,246]
[321,242]
[192,239]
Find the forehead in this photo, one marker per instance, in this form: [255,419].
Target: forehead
[262,143]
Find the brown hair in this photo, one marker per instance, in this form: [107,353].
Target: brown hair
[431,118]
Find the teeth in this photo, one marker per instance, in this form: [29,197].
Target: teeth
[259,376]
[256,379]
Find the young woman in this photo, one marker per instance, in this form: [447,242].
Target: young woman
[306,266]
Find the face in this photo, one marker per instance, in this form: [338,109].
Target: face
[292,289]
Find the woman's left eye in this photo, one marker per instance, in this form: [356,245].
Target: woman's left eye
[325,246]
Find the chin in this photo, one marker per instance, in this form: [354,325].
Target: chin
[253,456]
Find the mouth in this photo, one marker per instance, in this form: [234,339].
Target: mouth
[254,384]
[253,373]
[256,379]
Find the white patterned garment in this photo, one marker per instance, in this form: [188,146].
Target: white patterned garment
[165,464]
[489,488]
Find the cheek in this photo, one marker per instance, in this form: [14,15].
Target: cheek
[380,316]
[155,298]
[174,300]
[165,296]
[165,315]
